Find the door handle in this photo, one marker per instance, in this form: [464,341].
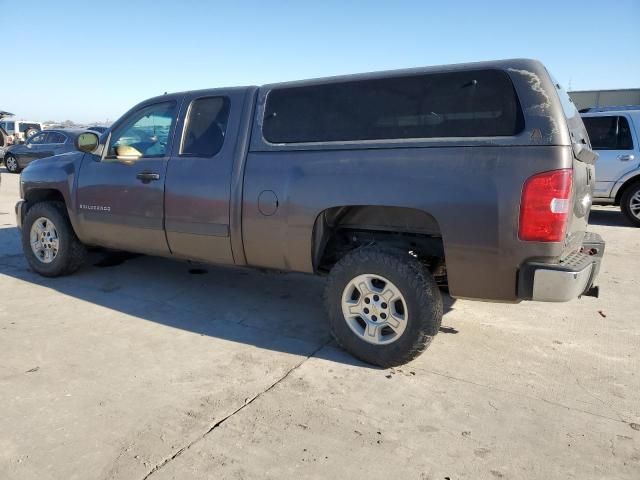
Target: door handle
[625,158]
[146,177]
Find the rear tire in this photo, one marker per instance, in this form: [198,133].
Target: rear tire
[359,316]
[67,254]
[630,204]
[11,163]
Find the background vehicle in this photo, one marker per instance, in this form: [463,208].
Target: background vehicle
[614,133]
[43,144]
[390,183]
[98,129]
[20,130]
[5,141]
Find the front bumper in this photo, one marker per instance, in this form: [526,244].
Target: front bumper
[20,211]
[570,278]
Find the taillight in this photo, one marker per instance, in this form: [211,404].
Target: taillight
[544,207]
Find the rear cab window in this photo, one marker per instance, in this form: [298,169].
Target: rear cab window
[473,103]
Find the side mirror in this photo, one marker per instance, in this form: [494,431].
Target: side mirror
[87,142]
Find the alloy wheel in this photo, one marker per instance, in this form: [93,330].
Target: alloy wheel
[374,309]
[44,240]
[634,204]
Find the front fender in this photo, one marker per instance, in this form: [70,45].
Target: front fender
[57,173]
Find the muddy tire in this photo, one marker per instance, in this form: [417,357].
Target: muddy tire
[49,242]
[630,204]
[384,307]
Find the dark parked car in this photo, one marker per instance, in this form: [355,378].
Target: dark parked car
[44,144]
[475,176]
[98,129]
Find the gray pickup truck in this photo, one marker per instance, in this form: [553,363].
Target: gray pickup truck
[475,177]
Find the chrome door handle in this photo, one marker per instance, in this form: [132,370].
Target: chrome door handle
[625,158]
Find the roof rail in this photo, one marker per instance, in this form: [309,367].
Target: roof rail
[609,109]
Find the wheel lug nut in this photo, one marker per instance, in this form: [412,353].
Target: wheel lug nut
[366,300]
[376,298]
[374,318]
[384,305]
[383,316]
[366,310]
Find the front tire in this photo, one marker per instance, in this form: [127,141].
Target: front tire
[11,163]
[384,306]
[630,204]
[49,242]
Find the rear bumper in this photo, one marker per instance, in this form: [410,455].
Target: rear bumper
[563,281]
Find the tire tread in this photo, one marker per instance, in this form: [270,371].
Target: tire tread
[76,253]
[624,203]
[429,305]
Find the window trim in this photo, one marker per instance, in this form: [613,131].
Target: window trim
[394,140]
[167,153]
[187,120]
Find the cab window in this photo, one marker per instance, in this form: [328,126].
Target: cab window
[145,133]
[206,127]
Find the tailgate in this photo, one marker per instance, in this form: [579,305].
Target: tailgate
[583,175]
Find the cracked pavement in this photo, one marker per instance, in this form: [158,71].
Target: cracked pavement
[135,368]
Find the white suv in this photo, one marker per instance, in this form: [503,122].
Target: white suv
[615,134]
[20,130]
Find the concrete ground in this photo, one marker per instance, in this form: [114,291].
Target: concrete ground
[141,367]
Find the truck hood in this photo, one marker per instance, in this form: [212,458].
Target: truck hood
[62,165]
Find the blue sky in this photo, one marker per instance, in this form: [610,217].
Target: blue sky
[88,61]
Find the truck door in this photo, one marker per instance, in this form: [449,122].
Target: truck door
[121,193]
[198,185]
[611,136]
